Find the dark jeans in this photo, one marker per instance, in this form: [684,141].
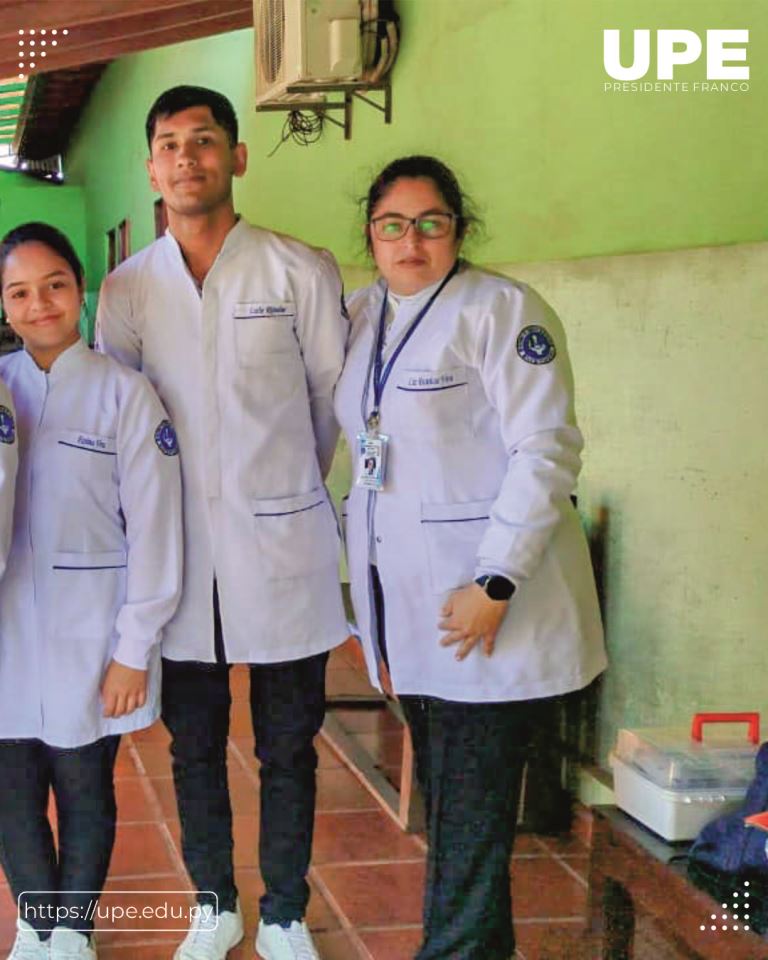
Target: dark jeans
[287,709]
[83,786]
[469,765]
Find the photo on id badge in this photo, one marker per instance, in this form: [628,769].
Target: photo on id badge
[371,457]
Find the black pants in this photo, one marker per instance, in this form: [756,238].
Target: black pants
[82,780]
[469,765]
[287,709]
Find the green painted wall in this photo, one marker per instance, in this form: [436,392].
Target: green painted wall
[669,349]
[510,92]
[23,199]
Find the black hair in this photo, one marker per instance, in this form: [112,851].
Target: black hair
[426,168]
[44,233]
[182,98]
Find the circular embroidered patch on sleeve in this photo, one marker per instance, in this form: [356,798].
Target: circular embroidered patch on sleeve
[535,345]
[7,426]
[165,438]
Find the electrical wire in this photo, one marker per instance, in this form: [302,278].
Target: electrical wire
[303,128]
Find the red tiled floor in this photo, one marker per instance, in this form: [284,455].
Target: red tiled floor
[394,944]
[240,724]
[326,755]
[246,833]
[366,720]
[527,845]
[154,758]
[125,765]
[367,876]
[349,654]
[346,682]
[375,895]
[385,746]
[135,803]
[166,795]
[241,751]
[361,836]
[542,889]
[142,848]
[157,733]
[553,941]
[338,789]
[240,682]
[571,846]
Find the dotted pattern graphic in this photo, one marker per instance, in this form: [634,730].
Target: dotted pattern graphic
[34,46]
[737,919]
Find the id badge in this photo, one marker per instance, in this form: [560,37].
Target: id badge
[371,460]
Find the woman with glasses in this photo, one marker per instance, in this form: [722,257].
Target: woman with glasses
[470,574]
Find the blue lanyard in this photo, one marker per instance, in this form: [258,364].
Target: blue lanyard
[381,371]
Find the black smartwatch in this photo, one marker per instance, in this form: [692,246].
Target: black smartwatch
[496,587]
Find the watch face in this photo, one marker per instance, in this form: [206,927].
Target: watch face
[499,588]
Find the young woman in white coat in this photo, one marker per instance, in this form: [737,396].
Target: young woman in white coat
[93,575]
[470,573]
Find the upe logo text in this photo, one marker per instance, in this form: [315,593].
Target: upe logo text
[678,48]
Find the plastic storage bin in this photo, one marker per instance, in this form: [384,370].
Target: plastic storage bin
[673,781]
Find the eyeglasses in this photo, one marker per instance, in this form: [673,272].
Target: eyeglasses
[431,226]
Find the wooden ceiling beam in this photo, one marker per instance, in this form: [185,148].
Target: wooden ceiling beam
[129,17]
[50,14]
[131,34]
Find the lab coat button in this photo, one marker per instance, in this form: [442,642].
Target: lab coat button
[378,539]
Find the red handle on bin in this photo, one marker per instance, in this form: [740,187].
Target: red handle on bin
[753,719]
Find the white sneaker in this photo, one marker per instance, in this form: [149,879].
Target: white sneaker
[27,945]
[274,942]
[70,945]
[208,939]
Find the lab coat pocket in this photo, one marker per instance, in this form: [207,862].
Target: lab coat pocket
[296,535]
[259,338]
[434,403]
[89,461]
[453,532]
[88,591]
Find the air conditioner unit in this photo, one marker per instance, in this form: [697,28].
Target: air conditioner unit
[305,42]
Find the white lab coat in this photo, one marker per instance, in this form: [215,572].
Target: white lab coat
[247,371]
[94,570]
[483,458]
[9,460]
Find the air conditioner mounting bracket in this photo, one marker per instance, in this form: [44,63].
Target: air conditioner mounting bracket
[352,89]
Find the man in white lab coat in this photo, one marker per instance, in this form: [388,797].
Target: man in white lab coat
[242,333]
